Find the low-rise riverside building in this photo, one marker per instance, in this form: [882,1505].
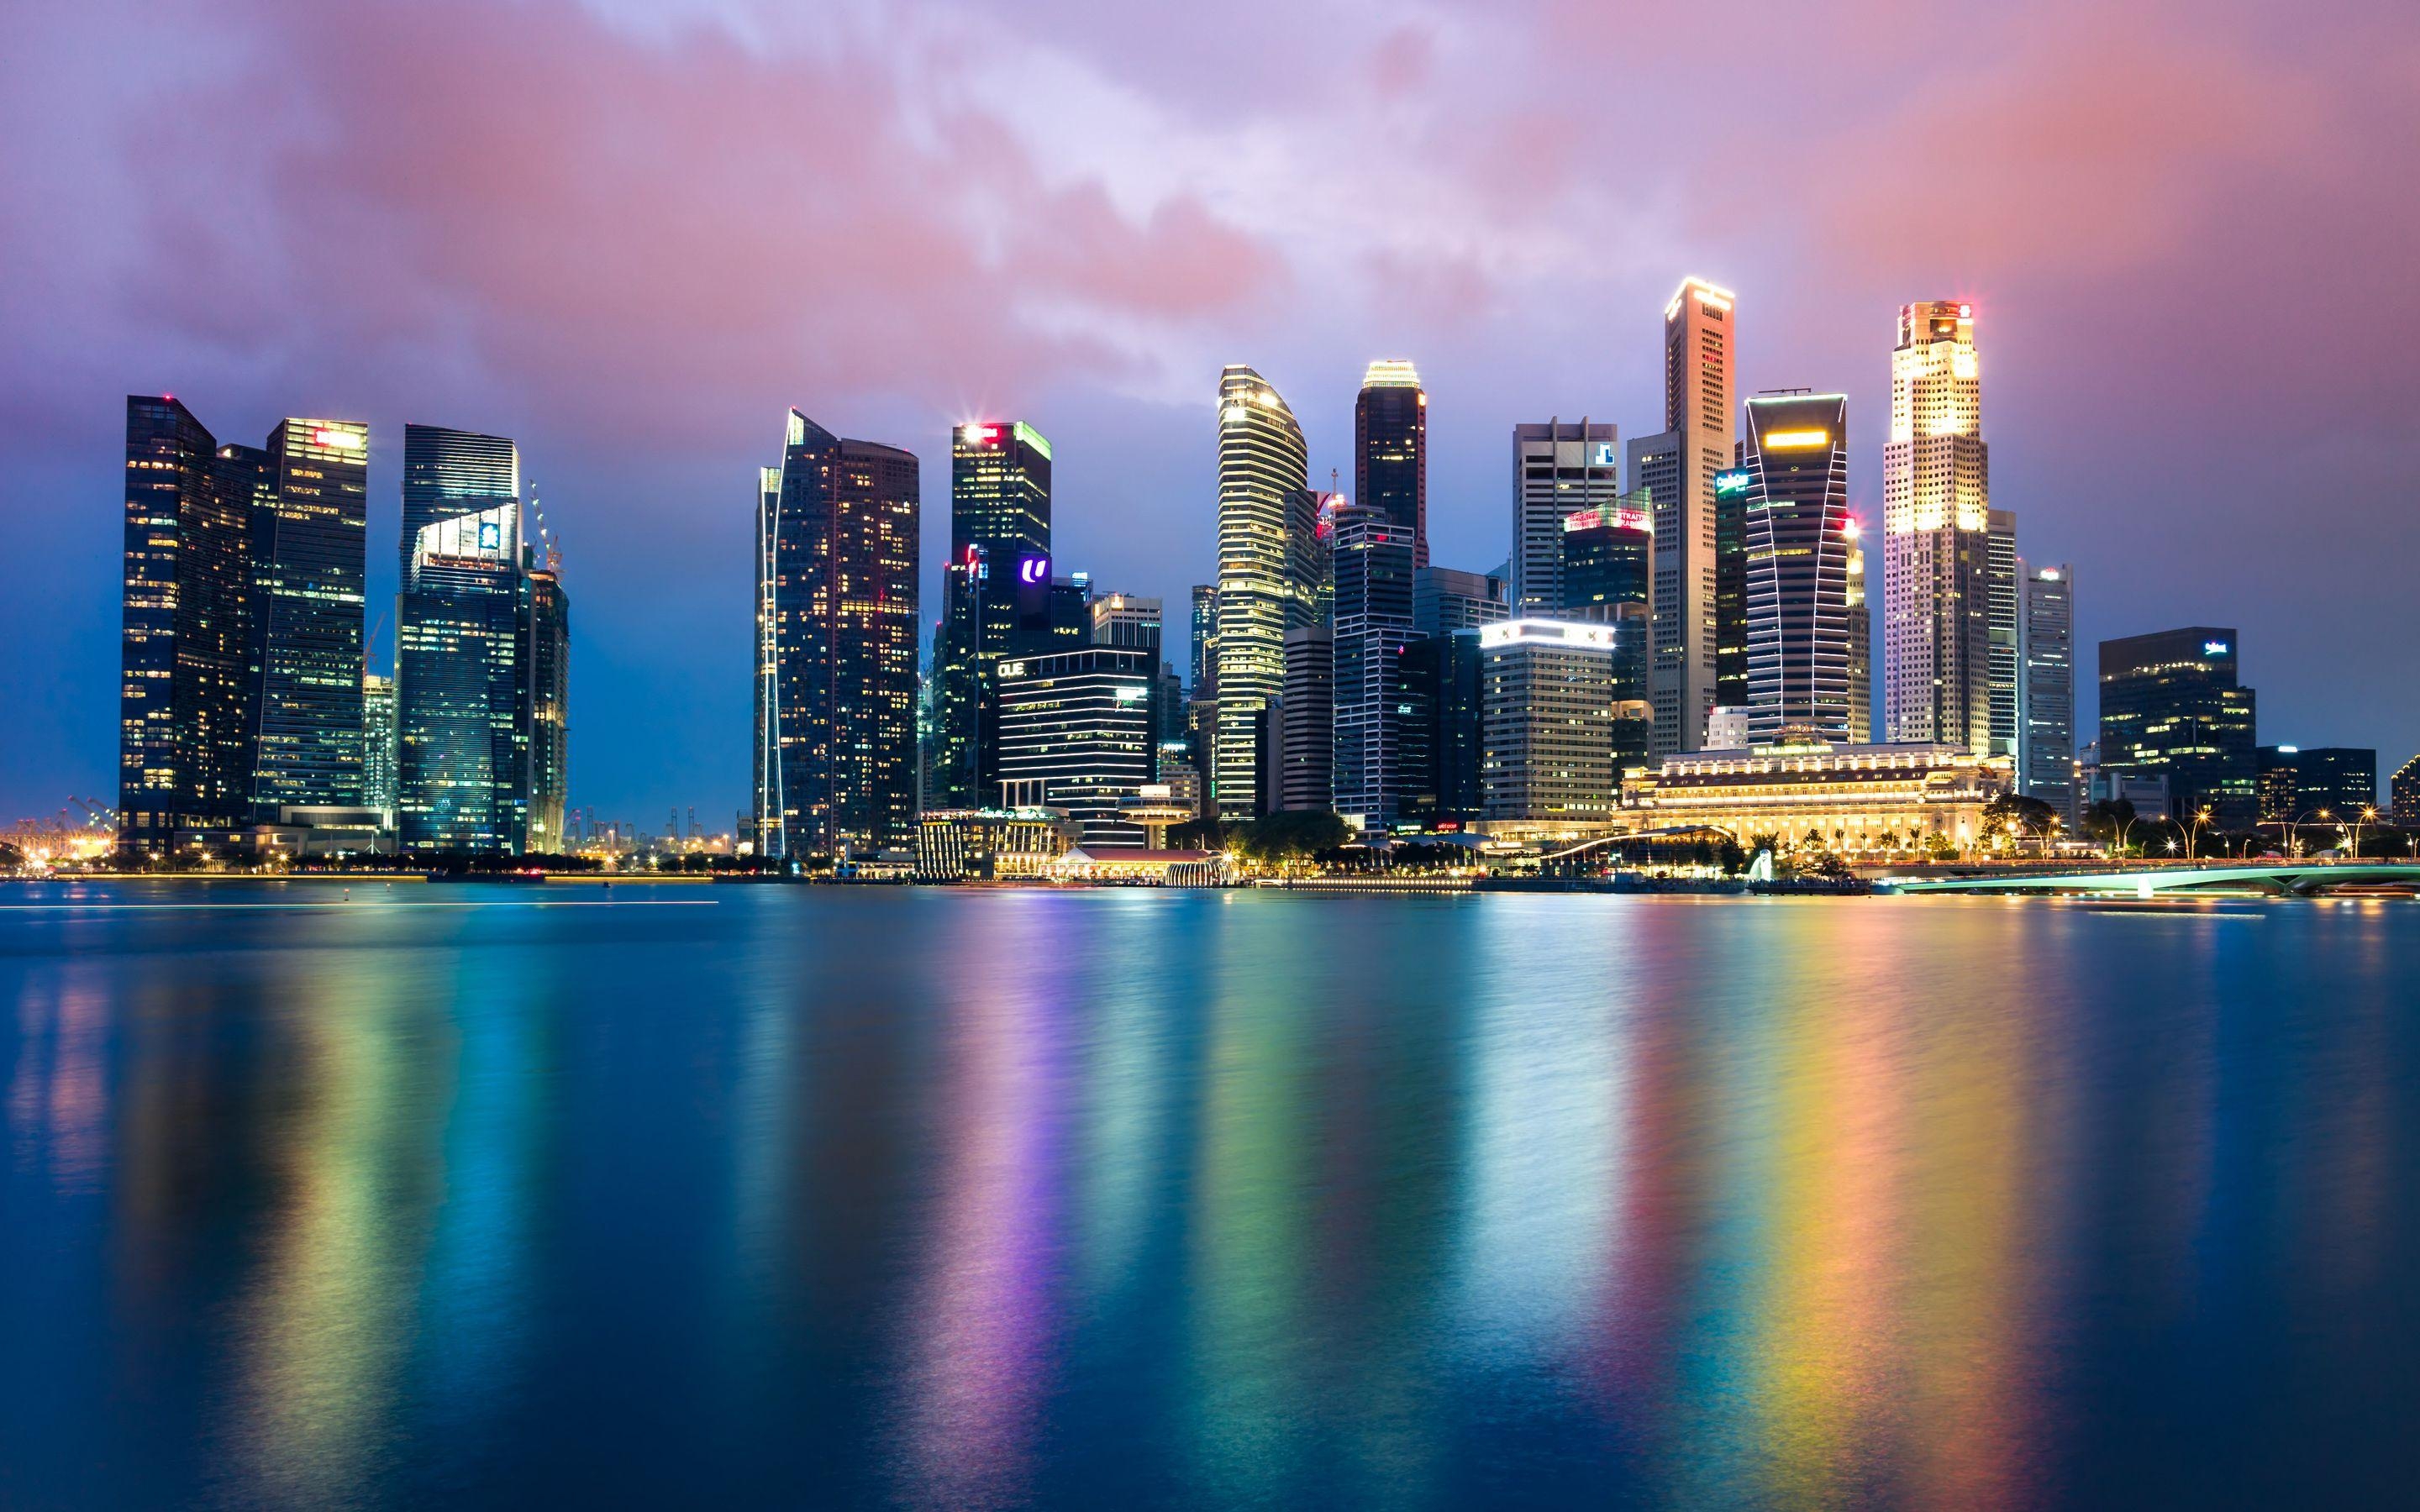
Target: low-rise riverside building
[1150,867]
[1852,798]
[991,844]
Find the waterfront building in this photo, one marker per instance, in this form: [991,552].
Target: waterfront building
[1726,728]
[1858,799]
[1268,581]
[2404,794]
[1800,536]
[1547,720]
[1677,469]
[1936,534]
[547,623]
[1136,866]
[991,845]
[837,530]
[1446,599]
[461,687]
[1178,774]
[378,785]
[1557,469]
[997,596]
[1373,564]
[1390,451]
[2302,780]
[1074,735]
[309,567]
[2046,690]
[1608,578]
[1444,681]
[186,687]
[449,472]
[2171,706]
[2004,609]
[1307,723]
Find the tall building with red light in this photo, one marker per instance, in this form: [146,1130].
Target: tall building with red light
[1937,599]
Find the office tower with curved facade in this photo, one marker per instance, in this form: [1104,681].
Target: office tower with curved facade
[1267,579]
[1801,663]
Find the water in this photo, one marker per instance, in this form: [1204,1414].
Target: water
[759,1196]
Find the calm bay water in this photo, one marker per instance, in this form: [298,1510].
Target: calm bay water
[780,1196]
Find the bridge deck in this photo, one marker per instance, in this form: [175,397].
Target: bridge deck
[2298,879]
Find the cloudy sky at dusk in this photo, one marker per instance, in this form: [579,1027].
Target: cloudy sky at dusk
[631,233]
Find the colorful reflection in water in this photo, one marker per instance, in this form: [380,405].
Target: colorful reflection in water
[1120,1200]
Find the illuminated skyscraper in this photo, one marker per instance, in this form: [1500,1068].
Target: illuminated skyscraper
[184,701]
[1557,469]
[1390,451]
[1268,581]
[2046,688]
[1547,739]
[1074,735]
[1608,578]
[1678,467]
[449,472]
[1446,599]
[2002,594]
[996,597]
[309,559]
[379,787]
[2171,706]
[1372,570]
[461,669]
[835,772]
[547,616]
[1800,536]
[1936,535]
[1201,675]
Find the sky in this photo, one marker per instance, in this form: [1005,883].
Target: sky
[632,236]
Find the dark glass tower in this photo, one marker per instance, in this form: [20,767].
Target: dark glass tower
[1372,568]
[1390,451]
[547,617]
[1800,539]
[185,721]
[996,598]
[1607,573]
[462,687]
[309,554]
[449,472]
[2170,707]
[836,637]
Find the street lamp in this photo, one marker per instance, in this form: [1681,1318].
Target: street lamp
[2368,815]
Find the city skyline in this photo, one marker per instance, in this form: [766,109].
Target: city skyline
[2156,532]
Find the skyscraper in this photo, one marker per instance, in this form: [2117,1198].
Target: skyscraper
[2296,780]
[2170,707]
[1547,735]
[1446,599]
[461,667]
[2002,592]
[1307,748]
[449,472]
[1390,451]
[836,631]
[1372,566]
[1608,576]
[2046,688]
[1129,621]
[547,621]
[378,786]
[184,720]
[309,559]
[1936,535]
[1267,560]
[1557,469]
[996,596]
[1074,735]
[1201,673]
[1678,467]
[1800,535]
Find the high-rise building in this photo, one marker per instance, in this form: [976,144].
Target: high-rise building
[1446,599]
[2170,707]
[1800,536]
[1372,567]
[997,599]
[546,614]
[2296,780]
[1390,451]
[1937,608]
[1201,675]
[1307,744]
[1861,644]
[1608,574]
[1267,555]
[1547,720]
[2002,592]
[185,695]
[449,472]
[309,561]
[462,684]
[1557,469]
[1074,735]
[836,633]
[378,785]
[2404,794]
[1126,621]
[2046,688]
[1677,467]
[1443,675]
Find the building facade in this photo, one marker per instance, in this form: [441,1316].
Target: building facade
[1390,450]
[380,789]
[1446,599]
[461,689]
[1677,469]
[1801,664]
[1373,564]
[2171,706]
[1074,735]
[547,627]
[1857,799]
[991,845]
[1307,721]
[1546,737]
[996,598]
[835,727]
[1557,469]
[2403,794]
[1267,576]
[309,564]
[1936,534]
[2295,780]
[2046,690]
[2003,607]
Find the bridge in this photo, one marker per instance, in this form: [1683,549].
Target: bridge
[2291,880]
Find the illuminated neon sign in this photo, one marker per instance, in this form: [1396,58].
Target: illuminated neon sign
[1033,569]
[2213,648]
[1735,481]
[343,441]
[1795,440]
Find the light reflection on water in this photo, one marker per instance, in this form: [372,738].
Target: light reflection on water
[1128,1198]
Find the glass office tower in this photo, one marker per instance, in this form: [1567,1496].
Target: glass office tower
[309,556]
[461,674]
